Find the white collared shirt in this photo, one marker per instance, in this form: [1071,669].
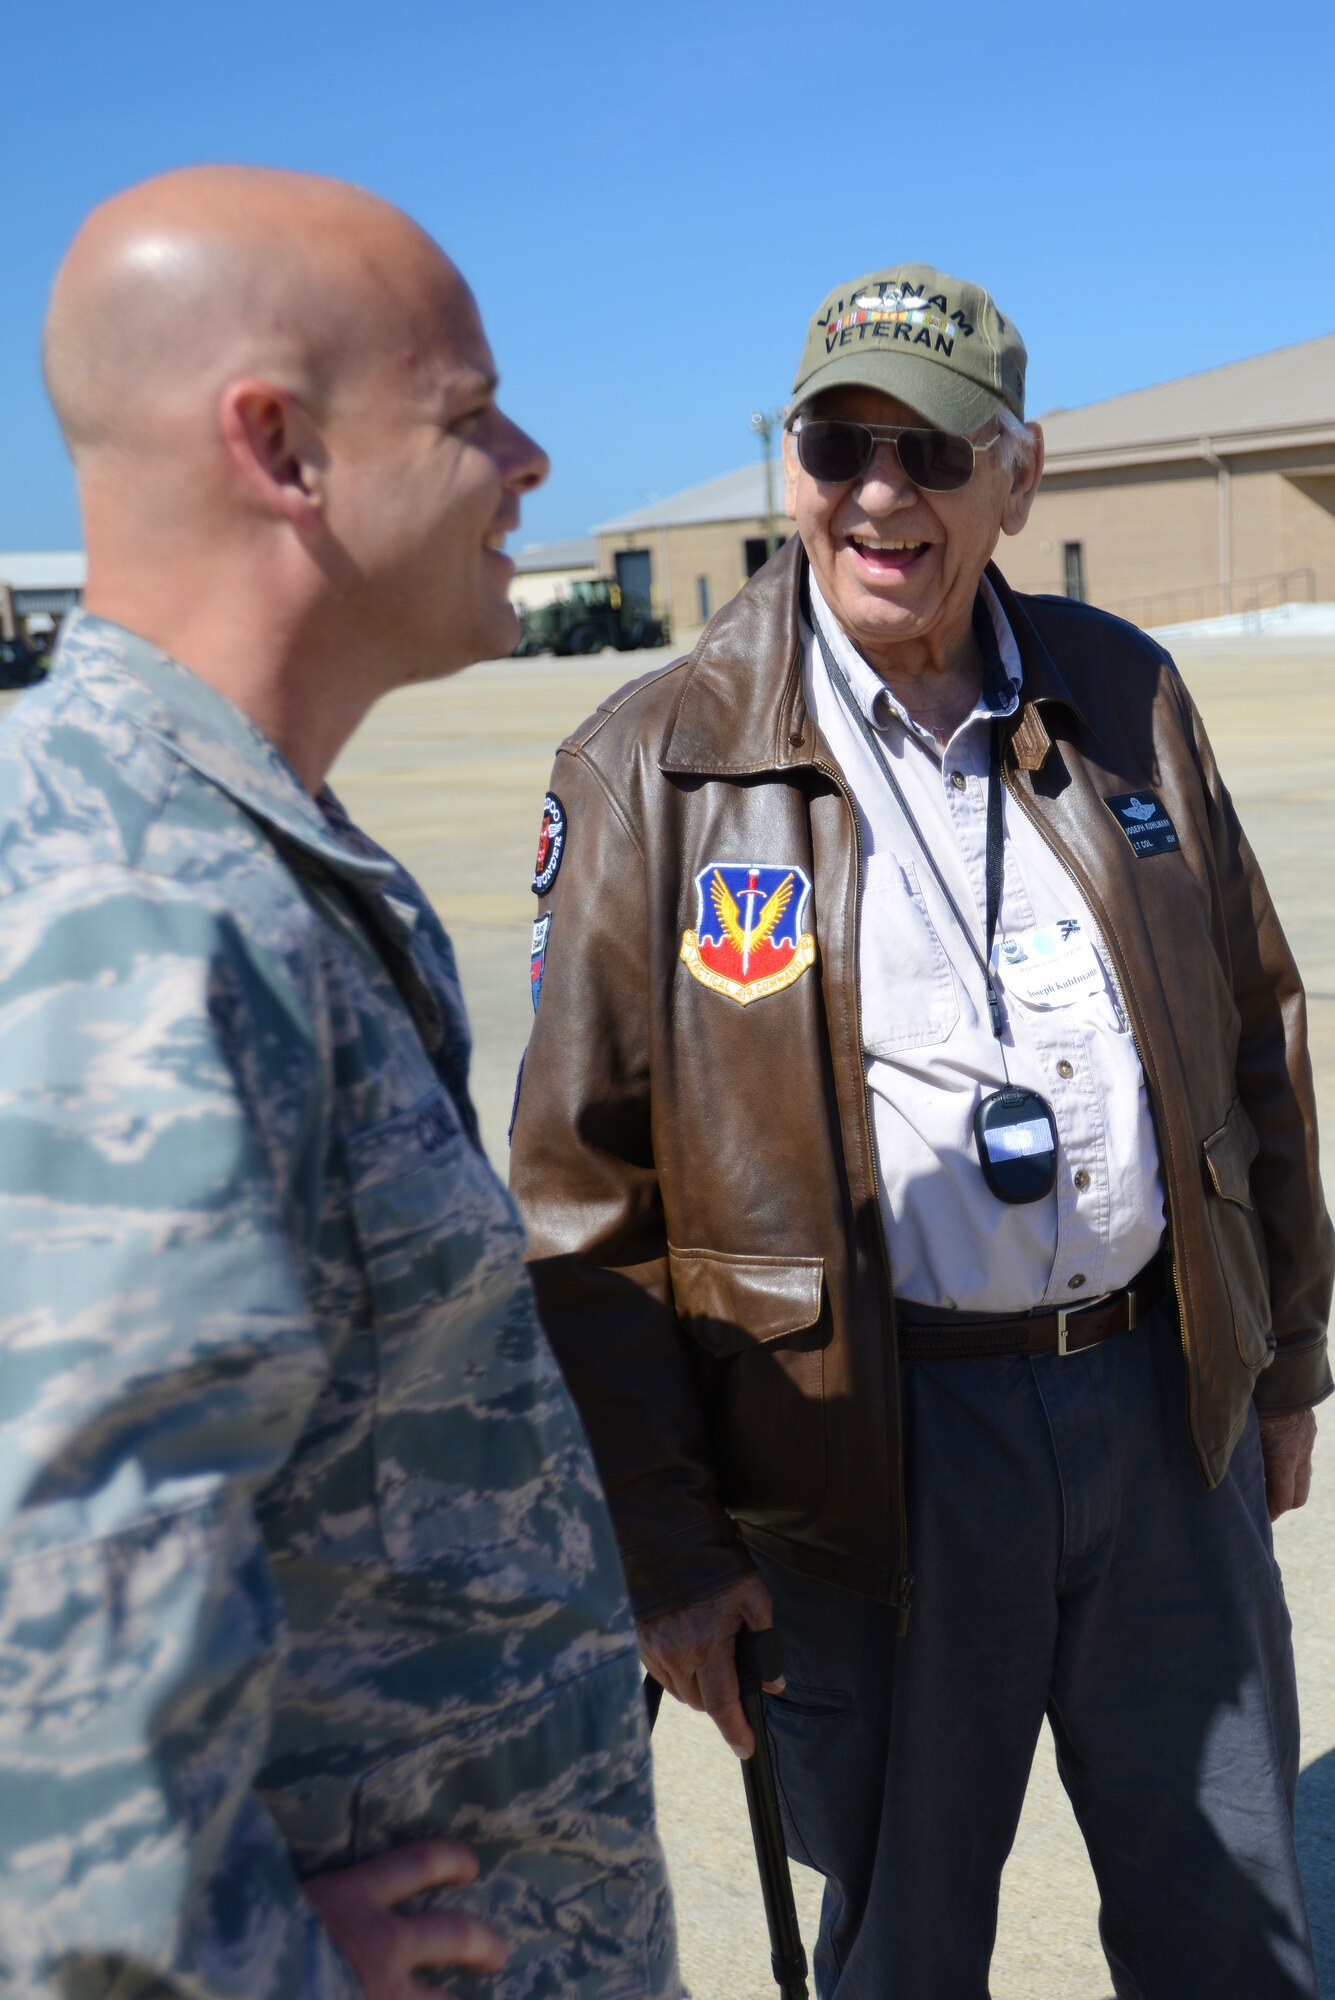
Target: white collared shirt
[927,1037]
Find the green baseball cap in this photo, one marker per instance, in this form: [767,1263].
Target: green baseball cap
[934,342]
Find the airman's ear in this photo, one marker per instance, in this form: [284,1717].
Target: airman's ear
[790,473]
[276,449]
[1025,479]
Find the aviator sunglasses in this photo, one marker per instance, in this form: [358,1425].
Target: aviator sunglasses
[836,451]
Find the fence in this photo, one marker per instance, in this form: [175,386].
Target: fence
[1203,600]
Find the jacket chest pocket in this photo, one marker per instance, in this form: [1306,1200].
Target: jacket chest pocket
[909,998]
[470,1412]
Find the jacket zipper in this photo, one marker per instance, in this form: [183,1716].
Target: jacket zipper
[904,1580]
[1132,1004]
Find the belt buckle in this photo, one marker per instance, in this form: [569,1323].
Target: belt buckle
[1066,1313]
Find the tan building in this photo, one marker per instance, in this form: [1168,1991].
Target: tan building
[37,589]
[545,571]
[690,553]
[1212,493]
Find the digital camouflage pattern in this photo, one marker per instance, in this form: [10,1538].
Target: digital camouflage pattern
[302,1553]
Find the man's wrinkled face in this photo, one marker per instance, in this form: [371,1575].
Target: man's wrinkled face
[428,478]
[897,565]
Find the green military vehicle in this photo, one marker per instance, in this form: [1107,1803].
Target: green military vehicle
[592,615]
[20,664]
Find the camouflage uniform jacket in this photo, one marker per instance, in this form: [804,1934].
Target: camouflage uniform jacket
[302,1554]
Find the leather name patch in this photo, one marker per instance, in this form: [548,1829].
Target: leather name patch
[1144,822]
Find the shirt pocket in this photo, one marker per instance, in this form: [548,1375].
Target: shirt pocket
[909,996]
[472,1421]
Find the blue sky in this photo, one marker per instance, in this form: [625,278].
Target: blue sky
[650,202]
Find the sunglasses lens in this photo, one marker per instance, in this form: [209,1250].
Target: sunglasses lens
[938,461]
[833,451]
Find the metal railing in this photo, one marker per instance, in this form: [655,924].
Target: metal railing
[1203,600]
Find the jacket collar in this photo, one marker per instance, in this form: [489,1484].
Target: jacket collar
[127,676]
[742,710]
[1045,685]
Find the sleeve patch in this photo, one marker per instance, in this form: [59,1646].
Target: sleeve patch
[538,958]
[551,844]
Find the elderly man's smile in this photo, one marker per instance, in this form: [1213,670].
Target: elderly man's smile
[886,558]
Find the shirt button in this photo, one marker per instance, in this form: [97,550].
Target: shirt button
[1065,1068]
[1074,1284]
[958,780]
[1081,1179]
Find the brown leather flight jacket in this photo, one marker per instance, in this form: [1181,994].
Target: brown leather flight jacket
[698,1177]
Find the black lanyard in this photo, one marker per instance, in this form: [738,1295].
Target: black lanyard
[995,844]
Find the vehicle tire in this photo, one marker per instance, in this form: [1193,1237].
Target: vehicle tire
[585,639]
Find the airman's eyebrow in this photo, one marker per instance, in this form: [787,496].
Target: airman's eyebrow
[468,395]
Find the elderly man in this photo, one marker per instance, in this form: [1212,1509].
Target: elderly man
[304,1567]
[918,1149]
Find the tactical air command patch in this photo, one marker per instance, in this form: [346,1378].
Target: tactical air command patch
[551,844]
[748,939]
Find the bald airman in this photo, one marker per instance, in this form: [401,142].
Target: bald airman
[309,1603]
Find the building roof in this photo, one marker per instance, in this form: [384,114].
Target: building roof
[65,570]
[1271,402]
[579,553]
[734,496]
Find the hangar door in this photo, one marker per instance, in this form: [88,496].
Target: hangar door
[635,573]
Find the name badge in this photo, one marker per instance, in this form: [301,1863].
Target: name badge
[1051,965]
[1144,822]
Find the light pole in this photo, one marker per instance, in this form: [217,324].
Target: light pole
[764,423]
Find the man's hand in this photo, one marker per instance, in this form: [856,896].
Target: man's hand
[691,1652]
[1286,1450]
[387,1947]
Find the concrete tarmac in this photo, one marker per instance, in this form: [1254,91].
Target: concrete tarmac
[451,778]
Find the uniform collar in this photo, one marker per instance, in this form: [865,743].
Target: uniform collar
[130,677]
[742,712]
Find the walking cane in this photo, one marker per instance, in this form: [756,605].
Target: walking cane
[760,1658]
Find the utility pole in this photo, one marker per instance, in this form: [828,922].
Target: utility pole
[764,423]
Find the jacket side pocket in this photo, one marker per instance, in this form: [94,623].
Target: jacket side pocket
[759,1330]
[728,1303]
[1239,1244]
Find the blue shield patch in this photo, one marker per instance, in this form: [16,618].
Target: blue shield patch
[749,939]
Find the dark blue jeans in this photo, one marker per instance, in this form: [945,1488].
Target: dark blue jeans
[1068,1562]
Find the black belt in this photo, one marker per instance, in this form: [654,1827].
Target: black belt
[949,1336]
